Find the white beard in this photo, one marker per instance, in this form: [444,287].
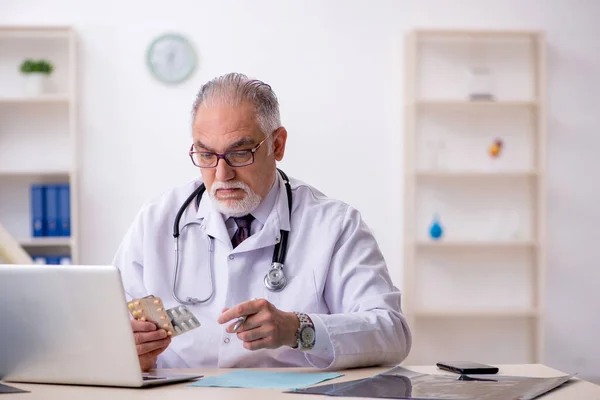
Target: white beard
[234,208]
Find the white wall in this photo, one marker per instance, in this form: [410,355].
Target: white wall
[337,67]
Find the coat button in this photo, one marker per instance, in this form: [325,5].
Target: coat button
[231,257]
[226,340]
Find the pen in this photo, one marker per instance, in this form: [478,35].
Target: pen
[239,323]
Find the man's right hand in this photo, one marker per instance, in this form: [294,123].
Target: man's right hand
[150,342]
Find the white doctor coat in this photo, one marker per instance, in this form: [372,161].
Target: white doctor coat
[335,270]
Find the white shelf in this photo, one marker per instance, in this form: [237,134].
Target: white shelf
[47,98]
[475,244]
[46,242]
[497,313]
[457,33]
[475,103]
[27,174]
[475,174]
[35,32]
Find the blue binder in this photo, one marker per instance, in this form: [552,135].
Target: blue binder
[38,208]
[52,260]
[52,225]
[64,210]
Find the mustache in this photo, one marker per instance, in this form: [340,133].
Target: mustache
[228,185]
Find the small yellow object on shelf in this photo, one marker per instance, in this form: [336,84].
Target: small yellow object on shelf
[496,148]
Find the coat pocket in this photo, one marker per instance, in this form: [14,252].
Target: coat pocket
[299,294]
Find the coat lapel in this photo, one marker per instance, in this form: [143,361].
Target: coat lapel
[212,221]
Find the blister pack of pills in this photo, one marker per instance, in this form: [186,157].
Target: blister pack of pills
[175,321]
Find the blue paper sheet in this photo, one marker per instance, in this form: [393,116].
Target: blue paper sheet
[265,380]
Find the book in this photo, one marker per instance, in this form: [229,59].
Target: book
[52,227]
[38,210]
[64,210]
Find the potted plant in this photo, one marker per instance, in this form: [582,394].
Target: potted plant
[36,73]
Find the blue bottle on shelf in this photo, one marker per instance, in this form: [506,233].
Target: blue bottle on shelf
[435,229]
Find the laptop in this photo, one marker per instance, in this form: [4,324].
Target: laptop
[69,324]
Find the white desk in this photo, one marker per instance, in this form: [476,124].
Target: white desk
[573,390]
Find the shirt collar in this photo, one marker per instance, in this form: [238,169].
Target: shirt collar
[262,212]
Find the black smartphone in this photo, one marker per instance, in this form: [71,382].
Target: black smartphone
[467,367]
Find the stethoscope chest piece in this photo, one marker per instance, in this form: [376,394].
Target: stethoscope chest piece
[275,279]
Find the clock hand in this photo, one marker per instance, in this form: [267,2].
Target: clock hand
[171,57]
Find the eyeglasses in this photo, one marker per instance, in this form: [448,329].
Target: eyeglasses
[234,158]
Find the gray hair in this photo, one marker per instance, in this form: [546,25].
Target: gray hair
[235,88]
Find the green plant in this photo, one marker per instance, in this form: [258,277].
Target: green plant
[29,66]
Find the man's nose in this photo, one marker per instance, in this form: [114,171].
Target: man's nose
[224,171]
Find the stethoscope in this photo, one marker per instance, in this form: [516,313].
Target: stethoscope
[275,279]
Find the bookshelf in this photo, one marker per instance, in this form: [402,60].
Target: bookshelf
[475,244]
[45,241]
[474,104]
[38,134]
[496,313]
[477,291]
[476,174]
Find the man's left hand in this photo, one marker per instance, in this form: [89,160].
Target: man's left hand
[265,327]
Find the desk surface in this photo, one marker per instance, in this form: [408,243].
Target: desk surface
[578,389]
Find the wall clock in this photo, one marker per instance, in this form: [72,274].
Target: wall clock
[171,58]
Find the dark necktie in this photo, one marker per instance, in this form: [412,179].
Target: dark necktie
[243,230]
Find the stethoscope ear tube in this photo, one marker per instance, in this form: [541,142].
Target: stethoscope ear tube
[280,249]
[275,279]
[191,301]
[197,193]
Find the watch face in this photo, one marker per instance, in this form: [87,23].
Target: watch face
[307,336]
[171,58]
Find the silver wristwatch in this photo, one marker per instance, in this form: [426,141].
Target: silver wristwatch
[306,333]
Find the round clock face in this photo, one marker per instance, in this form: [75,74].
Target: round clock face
[171,58]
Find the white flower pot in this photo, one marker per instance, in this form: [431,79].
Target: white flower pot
[35,83]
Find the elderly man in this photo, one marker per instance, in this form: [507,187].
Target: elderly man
[300,273]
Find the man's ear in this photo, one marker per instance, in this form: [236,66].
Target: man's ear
[279,139]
